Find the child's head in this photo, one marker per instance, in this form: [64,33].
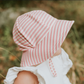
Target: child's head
[39,35]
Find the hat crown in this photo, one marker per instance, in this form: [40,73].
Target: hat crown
[40,35]
[33,26]
[41,17]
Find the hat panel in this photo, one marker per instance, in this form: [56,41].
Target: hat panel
[62,29]
[49,45]
[19,39]
[41,17]
[33,31]
[40,53]
[39,36]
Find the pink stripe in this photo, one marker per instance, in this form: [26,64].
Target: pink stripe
[28,34]
[63,36]
[50,42]
[33,39]
[23,59]
[61,26]
[57,36]
[20,43]
[35,31]
[21,40]
[45,19]
[44,49]
[21,19]
[41,51]
[22,28]
[21,23]
[20,37]
[27,59]
[38,32]
[65,31]
[48,21]
[43,16]
[47,47]
[33,58]
[51,22]
[68,28]
[43,32]
[38,14]
[36,56]
[31,23]
[26,27]
[25,20]
[54,38]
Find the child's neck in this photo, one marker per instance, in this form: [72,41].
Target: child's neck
[56,54]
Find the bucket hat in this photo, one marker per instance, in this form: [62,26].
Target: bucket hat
[39,35]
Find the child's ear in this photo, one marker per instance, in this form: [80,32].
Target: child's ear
[58,52]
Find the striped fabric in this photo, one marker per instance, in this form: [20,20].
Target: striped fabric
[39,35]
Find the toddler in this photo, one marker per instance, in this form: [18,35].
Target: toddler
[40,36]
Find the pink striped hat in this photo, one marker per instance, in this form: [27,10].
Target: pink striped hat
[39,35]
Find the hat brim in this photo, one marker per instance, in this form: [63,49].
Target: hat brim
[49,45]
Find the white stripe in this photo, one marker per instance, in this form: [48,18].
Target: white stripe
[28,29]
[62,29]
[55,36]
[45,46]
[34,30]
[22,28]
[36,15]
[66,26]
[48,22]
[49,45]
[41,18]
[20,23]
[37,55]
[33,24]
[40,34]
[21,18]
[45,19]
[52,35]
[42,49]
[35,33]
[20,44]
[29,57]
[58,33]
[26,26]
[21,39]
[34,56]
[29,60]
[23,59]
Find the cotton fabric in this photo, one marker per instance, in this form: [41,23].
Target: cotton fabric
[62,64]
